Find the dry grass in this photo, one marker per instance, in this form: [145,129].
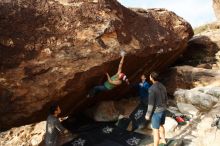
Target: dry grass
[206,27]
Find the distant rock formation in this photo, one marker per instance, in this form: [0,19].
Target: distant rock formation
[200,63]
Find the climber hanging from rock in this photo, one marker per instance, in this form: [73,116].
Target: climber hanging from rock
[111,82]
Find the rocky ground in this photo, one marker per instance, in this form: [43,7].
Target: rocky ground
[29,135]
[196,132]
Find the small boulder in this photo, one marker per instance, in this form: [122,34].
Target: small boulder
[188,109]
[214,91]
[28,135]
[197,98]
[170,124]
[208,135]
[103,112]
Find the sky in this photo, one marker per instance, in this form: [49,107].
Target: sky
[196,12]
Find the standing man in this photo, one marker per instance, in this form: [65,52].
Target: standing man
[53,126]
[143,87]
[157,104]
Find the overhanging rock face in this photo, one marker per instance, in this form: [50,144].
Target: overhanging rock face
[57,50]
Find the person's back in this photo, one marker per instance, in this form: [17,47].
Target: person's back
[53,128]
[160,95]
[157,103]
[110,86]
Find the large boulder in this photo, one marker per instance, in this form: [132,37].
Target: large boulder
[199,99]
[216,6]
[188,77]
[199,65]
[59,49]
[28,135]
[112,110]
[214,91]
[205,47]
[206,134]
[103,112]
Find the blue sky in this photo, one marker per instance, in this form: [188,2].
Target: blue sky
[196,12]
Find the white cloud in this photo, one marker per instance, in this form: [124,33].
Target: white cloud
[196,12]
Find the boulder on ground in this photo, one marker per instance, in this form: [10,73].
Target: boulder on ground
[28,135]
[195,97]
[104,111]
[188,77]
[188,109]
[170,124]
[210,90]
[206,134]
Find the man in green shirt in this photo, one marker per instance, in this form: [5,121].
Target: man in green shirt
[111,82]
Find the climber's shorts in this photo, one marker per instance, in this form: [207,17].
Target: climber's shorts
[158,119]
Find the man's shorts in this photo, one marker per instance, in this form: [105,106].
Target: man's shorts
[158,119]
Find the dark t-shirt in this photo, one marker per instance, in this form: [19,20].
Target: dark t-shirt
[157,99]
[53,129]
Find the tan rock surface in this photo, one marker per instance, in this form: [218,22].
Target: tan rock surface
[216,6]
